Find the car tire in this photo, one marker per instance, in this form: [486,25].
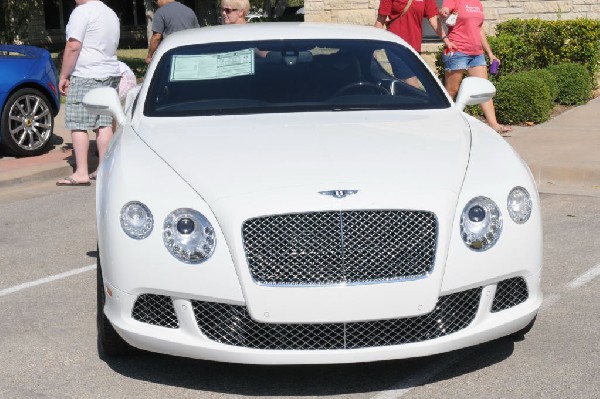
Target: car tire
[27,123]
[110,342]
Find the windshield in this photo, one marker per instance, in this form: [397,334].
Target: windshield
[290,76]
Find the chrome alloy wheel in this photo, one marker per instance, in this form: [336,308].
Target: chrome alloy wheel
[30,123]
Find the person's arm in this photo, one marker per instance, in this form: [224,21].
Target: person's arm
[380,22]
[154,42]
[70,56]
[437,27]
[486,45]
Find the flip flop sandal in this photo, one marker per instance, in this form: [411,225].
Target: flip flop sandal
[93,176]
[72,182]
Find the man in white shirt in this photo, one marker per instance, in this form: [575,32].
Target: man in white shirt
[89,61]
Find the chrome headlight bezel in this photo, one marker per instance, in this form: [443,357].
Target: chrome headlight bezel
[480,224]
[136,220]
[195,246]
[519,204]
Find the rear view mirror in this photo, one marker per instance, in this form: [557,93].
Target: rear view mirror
[104,101]
[289,57]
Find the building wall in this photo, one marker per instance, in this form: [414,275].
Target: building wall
[364,12]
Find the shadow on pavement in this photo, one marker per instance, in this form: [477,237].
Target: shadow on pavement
[308,380]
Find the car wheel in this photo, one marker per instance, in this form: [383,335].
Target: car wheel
[110,342]
[27,123]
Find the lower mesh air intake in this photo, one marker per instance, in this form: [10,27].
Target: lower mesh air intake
[232,325]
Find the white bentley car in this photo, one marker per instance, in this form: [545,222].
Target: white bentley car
[297,193]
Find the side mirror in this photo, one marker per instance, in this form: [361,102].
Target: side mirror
[473,91]
[104,101]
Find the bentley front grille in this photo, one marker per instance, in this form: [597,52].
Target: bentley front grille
[321,248]
[232,325]
[510,293]
[157,310]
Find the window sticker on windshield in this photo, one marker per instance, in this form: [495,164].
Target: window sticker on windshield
[212,66]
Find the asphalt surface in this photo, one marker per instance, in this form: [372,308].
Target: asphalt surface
[563,153]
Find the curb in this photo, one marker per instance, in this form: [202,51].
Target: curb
[49,174]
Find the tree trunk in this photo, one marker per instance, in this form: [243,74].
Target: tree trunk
[280,8]
[148,4]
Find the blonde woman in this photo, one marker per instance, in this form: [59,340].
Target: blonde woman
[234,11]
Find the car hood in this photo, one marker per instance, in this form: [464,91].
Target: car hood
[252,166]
[233,156]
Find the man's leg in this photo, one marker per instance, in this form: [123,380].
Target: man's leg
[103,136]
[81,145]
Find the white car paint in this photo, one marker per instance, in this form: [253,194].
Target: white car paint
[232,168]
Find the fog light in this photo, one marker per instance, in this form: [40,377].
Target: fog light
[136,220]
[519,205]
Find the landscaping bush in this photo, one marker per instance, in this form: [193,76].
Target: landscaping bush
[573,83]
[515,54]
[548,77]
[522,97]
[552,42]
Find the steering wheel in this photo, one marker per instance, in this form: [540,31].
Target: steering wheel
[363,85]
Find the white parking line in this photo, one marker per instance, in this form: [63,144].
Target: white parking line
[45,280]
[428,373]
[420,378]
[585,278]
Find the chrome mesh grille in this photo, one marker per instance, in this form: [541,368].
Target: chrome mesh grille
[157,310]
[335,247]
[232,325]
[510,293]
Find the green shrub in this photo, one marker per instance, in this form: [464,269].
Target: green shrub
[555,42]
[522,97]
[574,84]
[515,54]
[548,77]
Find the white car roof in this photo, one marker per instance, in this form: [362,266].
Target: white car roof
[274,30]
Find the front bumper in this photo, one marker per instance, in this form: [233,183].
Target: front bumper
[187,334]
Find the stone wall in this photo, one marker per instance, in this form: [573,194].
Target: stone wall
[364,12]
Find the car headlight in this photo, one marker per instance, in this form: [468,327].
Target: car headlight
[188,235]
[480,224]
[519,205]
[136,220]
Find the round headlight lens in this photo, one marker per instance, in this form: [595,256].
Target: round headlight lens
[136,220]
[480,224]
[189,236]
[519,205]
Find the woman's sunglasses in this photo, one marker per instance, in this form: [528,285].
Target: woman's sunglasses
[228,10]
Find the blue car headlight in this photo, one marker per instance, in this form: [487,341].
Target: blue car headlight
[480,224]
[188,235]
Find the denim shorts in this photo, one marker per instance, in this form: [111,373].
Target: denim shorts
[460,60]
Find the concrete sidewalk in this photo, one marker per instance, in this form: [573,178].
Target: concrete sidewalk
[563,153]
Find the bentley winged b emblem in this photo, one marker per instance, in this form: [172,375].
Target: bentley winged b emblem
[338,193]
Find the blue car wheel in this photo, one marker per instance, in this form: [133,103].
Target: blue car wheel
[27,123]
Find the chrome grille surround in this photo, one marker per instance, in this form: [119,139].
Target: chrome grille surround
[154,309]
[232,325]
[509,293]
[340,247]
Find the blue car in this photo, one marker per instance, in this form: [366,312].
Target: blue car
[29,99]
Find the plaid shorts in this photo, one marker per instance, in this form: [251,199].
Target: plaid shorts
[76,116]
